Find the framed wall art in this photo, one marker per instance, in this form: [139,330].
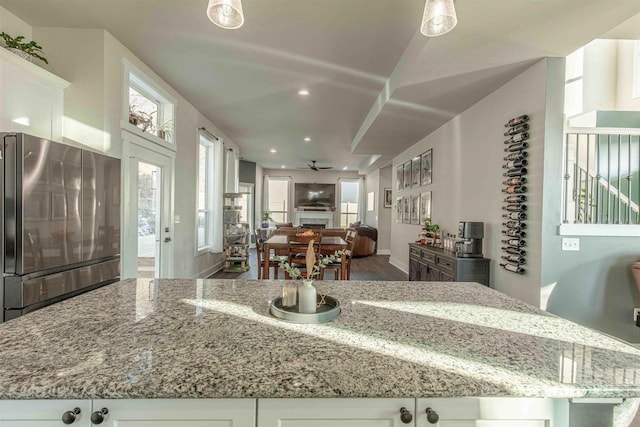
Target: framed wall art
[371,201]
[406,210]
[426,160]
[425,205]
[407,175]
[388,198]
[400,178]
[399,208]
[415,209]
[415,172]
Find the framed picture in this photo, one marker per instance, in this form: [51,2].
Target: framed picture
[371,201]
[399,208]
[407,175]
[400,178]
[425,205]
[406,210]
[388,198]
[415,209]
[415,172]
[426,161]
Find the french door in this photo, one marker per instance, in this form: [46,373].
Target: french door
[148,230]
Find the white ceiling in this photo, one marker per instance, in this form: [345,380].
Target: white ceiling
[377,85]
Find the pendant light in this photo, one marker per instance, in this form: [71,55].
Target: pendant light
[226,13]
[439,17]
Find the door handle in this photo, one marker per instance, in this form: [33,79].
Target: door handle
[167,239]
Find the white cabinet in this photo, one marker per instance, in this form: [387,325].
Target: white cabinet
[31,98]
[487,412]
[335,412]
[45,413]
[175,412]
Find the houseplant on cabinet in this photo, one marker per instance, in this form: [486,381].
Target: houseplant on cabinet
[23,49]
[266,217]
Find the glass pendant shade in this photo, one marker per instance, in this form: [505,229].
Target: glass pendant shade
[439,18]
[226,13]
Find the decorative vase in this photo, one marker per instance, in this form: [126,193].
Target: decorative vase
[22,54]
[265,225]
[288,293]
[307,297]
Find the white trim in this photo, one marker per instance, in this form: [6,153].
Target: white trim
[383,252]
[399,265]
[610,230]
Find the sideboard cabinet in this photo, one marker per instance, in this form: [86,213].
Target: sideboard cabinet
[430,264]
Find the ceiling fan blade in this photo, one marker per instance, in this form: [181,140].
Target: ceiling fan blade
[325,167]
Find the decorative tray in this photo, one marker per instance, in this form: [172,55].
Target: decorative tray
[327,309]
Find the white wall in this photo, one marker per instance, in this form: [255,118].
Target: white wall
[600,75]
[14,26]
[372,185]
[625,100]
[467,177]
[384,214]
[94,105]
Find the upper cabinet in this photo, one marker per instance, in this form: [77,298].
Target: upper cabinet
[31,98]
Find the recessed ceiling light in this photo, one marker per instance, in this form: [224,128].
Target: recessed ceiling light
[303,92]
[307,139]
[273,150]
[283,166]
[345,168]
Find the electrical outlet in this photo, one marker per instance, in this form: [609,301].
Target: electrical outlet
[570,244]
[636,313]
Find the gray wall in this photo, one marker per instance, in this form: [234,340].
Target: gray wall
[594,286]
[247,172]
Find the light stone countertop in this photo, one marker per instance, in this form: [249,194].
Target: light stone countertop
[216,339]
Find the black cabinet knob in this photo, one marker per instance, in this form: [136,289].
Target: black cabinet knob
[432,416]
[98,416]
[405,415]
[69,417]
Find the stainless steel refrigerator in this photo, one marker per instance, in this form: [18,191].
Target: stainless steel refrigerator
[61,222]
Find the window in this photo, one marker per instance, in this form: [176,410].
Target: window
[148,111]
[349,196]
[209,195]
[278,199]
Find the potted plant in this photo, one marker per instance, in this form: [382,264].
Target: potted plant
[23,49]
[266,217]
[165,130]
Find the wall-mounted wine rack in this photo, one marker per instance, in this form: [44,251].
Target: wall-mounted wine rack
[514,217]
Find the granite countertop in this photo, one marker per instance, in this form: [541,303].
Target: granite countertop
[216,339]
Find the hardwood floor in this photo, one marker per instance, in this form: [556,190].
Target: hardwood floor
[375,267]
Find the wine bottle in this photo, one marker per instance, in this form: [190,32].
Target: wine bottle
[512,267]
[514,251]
[517,129]
[515,207]
[517,198]
[522,136]
[518,155]
[515,224]
[518,216]
[517,120]
[515,172]
[515,164]
[515,189]
[514,242]
[518,146]
[516,180]
[512,232]
[513,259]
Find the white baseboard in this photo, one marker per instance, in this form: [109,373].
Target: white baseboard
[399,265]
[384,252]
[210,271]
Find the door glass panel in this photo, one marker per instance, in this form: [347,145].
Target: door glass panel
[149,209]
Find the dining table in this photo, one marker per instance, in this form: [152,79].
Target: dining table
[329,244]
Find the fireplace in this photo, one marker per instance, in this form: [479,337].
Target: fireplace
[314,218]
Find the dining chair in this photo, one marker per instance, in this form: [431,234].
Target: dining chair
[297,250]
[274,261]
[350,238]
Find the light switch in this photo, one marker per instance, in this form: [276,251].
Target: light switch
[177,219]
[570,244]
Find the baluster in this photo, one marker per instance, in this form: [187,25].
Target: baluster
[567,176]
[608,179]
[598,218]
[576,181]
[587,207]
[629,177]
[618,180]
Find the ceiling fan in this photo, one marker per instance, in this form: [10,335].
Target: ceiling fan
[316,168]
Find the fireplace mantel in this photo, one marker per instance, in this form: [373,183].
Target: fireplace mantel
[315,217]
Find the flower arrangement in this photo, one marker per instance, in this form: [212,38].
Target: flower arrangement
[313,267]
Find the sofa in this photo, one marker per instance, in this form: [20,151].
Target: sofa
[366,240]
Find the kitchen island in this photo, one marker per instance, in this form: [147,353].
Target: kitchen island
[215,339]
